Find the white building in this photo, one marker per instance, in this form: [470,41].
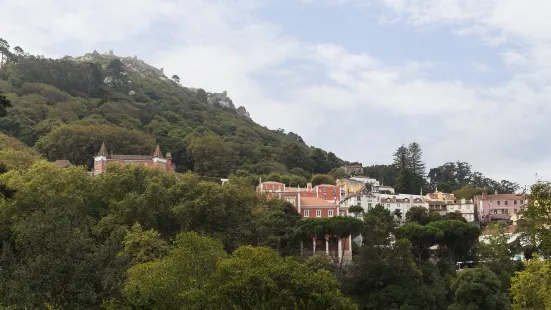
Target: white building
[465,207]
[366,180]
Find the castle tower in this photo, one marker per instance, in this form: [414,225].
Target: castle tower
[100,160]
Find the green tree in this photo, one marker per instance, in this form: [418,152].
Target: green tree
[339,229]
[531,287]
[178,280]
[458,240]
[467,192]
[116,71]
[421,238]
[4,51]
[255,278]
[405,177]
[80,143]
[338,173]
[296,156]
[398,214]
[478,288]
[379,224]
[176,78]
[56,257]
[319,179]
[417,167]
[418,215]
[4,104]
[356,210]
[273,225]
[211,155]
[535,220]
[495,252]
[456,216]
[143,246]
[386,277]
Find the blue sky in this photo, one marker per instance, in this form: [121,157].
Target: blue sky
[468,79]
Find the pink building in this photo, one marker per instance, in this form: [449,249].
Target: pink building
[321,201]
[498,206]
[157,160]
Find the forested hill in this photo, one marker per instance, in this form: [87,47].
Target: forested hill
[65,108]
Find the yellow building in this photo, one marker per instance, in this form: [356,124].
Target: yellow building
[439,196]
[349,187]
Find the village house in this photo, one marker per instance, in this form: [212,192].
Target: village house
[498,206]
[321,201]
[102,160]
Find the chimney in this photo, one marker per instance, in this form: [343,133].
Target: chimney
[309,187]
[496,191]
[484,196]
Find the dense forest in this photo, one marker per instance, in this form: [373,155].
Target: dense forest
[138,238]
[66,107]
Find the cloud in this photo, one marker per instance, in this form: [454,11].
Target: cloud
[337,97]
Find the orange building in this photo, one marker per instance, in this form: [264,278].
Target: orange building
[103,159]
[321,201]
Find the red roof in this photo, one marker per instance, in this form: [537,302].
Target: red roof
[295,189]
[316,202]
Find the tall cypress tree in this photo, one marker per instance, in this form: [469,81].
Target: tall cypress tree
[417,167]
[404,180]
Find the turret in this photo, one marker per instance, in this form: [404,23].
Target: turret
[158,153]
[100,160]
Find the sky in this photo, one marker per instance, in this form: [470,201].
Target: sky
[469,80]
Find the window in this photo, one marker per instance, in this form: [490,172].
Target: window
[506,202]
[388,205]
[318,213]
[306,213]
[515,210]
[368,206]
[398,205]
[342,213]
[330,213]
[498,202]
[514,202]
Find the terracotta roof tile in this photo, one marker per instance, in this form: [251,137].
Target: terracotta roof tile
[316,202]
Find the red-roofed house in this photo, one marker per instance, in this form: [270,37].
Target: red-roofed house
[103,159]
[321,201]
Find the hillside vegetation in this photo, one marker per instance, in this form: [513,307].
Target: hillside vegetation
[65,108]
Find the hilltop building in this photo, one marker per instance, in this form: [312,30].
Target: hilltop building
[102,160]
[321,201]
[353,169]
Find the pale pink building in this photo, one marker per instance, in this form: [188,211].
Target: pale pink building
[498,206]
